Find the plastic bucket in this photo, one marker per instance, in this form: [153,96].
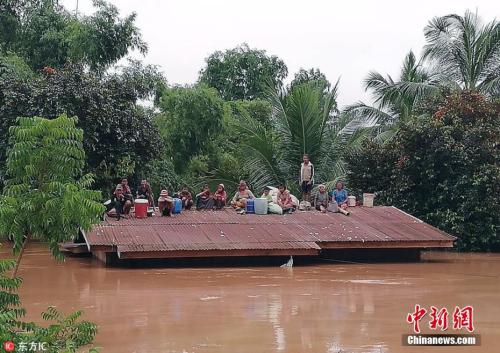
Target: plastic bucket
[260,205]
[250,206]
[368,199]
[351,201]
[177,206]
[141,208]
[333,207]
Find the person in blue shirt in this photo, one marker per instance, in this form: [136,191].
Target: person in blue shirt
[340,195]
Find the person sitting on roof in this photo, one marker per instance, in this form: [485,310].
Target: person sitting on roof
[284,199]
[272,207]
[321,199]
[165,203]
[204,200]
[186,198]
[266,194]
[339,195]
[127,192]
[239,200]
[120,203]
[220,197]
[144,191]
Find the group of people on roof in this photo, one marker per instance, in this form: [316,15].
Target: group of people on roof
[280,200]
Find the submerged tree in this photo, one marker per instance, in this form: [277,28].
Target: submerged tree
[45,195]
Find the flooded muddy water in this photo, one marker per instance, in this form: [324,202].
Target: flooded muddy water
[326,307]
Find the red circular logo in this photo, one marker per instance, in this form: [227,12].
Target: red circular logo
[9,346]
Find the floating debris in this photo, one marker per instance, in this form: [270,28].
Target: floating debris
[289,263]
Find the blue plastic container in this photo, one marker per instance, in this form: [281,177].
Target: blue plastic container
[177,206]
[250,206]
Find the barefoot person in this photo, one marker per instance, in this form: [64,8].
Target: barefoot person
[339,195]
[306,179]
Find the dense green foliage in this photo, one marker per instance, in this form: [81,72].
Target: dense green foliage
[47,35]
[242,72]
[46,197]
[118,131]
[442,168]
[305,121]
[64,334]
[193,118]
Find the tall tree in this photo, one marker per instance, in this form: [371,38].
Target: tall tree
[395,100]
[305,121]
[466,52]
[191,119]
[46,197]
[242,72]
[44,33]
[443,168]
[119,132]
[311,75]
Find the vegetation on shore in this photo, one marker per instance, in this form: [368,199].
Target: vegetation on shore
[239,120]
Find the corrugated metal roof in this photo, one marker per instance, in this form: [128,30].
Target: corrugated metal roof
[227,230]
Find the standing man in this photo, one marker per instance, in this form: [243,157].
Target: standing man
[306,178]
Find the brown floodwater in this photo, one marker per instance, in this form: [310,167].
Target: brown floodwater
[325,307]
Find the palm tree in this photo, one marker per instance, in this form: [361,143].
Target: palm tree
[305,120]
[394,100]
[466,53]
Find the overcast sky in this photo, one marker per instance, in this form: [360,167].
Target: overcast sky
[343,39]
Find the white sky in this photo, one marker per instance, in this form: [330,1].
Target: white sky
[341,38]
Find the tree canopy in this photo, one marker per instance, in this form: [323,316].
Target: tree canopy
[192,118]
[442,168]
[46,195]
[45,34]
[242,72]
[117,129]
[311,76]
